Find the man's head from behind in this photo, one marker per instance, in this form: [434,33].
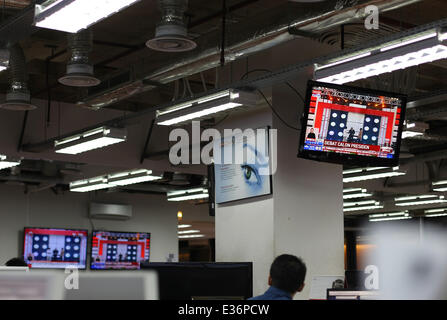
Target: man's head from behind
[287,273]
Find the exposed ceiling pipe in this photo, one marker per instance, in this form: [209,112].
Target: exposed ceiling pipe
[79,69]
[247,38]
[18,97]
[171,32]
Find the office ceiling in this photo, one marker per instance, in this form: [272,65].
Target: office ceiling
[119,44]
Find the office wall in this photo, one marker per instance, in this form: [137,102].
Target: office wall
[151,213]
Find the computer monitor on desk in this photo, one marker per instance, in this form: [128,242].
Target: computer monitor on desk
[348,294]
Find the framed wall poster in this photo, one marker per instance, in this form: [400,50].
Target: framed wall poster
[244,169]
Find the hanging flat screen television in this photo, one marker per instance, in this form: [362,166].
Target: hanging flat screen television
[55,248]
[352,126]
[119,250]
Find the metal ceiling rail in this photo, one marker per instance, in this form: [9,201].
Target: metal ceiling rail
[266,80]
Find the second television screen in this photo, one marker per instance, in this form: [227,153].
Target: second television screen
[119,250]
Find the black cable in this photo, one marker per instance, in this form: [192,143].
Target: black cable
[276,113]
[287,83]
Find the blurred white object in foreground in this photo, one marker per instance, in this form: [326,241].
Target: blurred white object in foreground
[412,262]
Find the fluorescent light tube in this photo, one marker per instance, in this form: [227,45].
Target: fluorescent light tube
[188,231]
[432,213]
[410,134]
[191,236]
[190,194]
[89,185]
[378,206]
[204,107]
[75,15]
[359,203]
[440,186]
[90,140]
[370,173]
[402,215]
[6,162]
[181,226]
[419,200]
[2,68]
[131,177]
[407,53]
[355,193]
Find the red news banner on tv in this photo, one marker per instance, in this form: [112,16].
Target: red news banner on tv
[330,133]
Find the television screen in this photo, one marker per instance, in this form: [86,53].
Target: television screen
[119,250]
[352,125]
[55,248]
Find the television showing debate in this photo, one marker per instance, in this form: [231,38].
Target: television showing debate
[119,250]
[352,125]
[55,248]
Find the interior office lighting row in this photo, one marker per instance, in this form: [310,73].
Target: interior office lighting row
[438,212]
[440,186]
[362,174]
[90,140]
[188,194]
[419,200]
[113,180]
[390,216]
[403,53]
[362,205]
[205,107]
[355,193]
[75,15]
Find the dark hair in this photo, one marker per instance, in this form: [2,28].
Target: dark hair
[288,273]
[16,262]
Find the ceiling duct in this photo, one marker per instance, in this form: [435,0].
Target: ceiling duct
[247,38]
[79,69]
[18,97]
[171,32]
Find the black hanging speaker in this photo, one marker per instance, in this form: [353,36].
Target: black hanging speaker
[211,184]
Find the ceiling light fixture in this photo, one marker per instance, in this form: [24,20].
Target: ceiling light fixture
[190,194]
[404,53]
[6,162]
[188,231]
[131,177]
[205,107]
[355,175]
[113,180]
[181,226]
[87,185]
[74,15]
[93,139]
[354,193]
[373,206]
[191,236]
[440,186]
[359,203]
[401,215]
[419,200]
[432,213]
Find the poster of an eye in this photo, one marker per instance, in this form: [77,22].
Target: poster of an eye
[242,166]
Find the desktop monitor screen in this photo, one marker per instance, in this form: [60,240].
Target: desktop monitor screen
[55,248]
[119,250]
[350,125]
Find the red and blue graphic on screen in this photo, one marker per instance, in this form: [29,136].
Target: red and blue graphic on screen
[55,248]
[119,250]
[350,123]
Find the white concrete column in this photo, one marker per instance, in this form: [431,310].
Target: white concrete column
[304,215]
